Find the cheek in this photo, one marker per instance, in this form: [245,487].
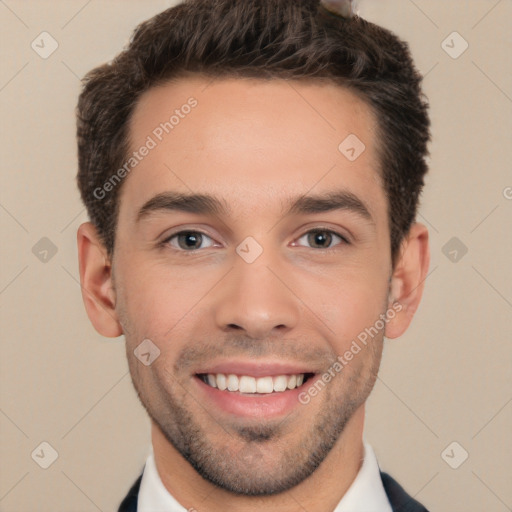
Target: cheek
[158,302]
[350,306]
[145,298]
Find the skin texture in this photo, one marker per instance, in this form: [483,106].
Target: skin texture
[256,146]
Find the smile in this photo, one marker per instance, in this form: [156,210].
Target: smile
[247,384]
[258,389]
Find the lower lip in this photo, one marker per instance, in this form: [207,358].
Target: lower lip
[254,405]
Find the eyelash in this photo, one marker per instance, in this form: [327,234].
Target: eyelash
[344,240]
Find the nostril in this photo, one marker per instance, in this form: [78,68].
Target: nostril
[234,326]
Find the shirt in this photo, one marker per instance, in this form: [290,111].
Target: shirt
[365,494]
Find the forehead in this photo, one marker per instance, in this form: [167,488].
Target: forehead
[236,138]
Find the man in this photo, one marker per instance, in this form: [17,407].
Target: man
[252,173]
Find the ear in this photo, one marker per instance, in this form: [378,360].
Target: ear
[408,280]
[98,292]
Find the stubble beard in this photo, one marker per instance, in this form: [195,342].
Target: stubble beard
[244,461]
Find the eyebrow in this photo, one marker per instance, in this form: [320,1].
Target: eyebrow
[336,200]
[190,203]
[204,204]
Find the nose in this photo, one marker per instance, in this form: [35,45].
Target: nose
[256,299]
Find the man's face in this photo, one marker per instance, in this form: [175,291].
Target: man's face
[255,288]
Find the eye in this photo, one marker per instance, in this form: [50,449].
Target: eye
[322,239]
[189,240]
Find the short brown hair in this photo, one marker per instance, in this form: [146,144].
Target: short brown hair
[267,39]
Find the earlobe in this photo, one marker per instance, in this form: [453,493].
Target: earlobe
[408,279]
[96,282]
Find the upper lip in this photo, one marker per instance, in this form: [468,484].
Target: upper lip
[255,368]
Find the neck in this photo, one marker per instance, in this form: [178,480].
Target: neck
[321,492]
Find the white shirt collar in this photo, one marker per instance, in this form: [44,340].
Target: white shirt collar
[365,494]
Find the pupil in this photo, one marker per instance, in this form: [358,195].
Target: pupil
[321,239]
[190,240]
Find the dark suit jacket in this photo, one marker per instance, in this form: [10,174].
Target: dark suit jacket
[399,499]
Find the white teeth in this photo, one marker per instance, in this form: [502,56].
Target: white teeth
[264,385]
[212,381]
[232,383]
[280,383]
[248,384]
[221,381]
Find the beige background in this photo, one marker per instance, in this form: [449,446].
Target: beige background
[448,379]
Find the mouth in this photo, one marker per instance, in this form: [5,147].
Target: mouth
[251,385]
[253,389]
